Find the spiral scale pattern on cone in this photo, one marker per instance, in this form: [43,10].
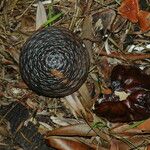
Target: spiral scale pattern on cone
[54,62]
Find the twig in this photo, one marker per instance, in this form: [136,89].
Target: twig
[123,56]
[26,10]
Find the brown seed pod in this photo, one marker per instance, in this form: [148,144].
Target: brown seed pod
[54,62]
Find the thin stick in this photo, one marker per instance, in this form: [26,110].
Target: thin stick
[123,56]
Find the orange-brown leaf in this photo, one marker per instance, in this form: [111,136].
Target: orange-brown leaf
[144,20]
[129,10]
[148,147]
[145,125]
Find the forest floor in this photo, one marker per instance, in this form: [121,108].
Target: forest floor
[111,37]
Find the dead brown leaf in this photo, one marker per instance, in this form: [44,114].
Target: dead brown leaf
[80,129]
[74,103]
[67,144]
[145,125]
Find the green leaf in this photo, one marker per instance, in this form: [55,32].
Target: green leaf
[49,21]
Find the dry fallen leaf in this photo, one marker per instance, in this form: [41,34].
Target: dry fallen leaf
[74,103]
[80,129]
[104,19]
[129,10]
[86,98]
[41,16]
[148,147]
[144,20]
[114,145]
[67,144]
[145,125]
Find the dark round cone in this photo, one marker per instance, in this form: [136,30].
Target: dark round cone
[54,62]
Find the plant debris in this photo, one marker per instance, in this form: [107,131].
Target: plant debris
[115,33]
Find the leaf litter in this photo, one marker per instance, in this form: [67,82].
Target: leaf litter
[69,123]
